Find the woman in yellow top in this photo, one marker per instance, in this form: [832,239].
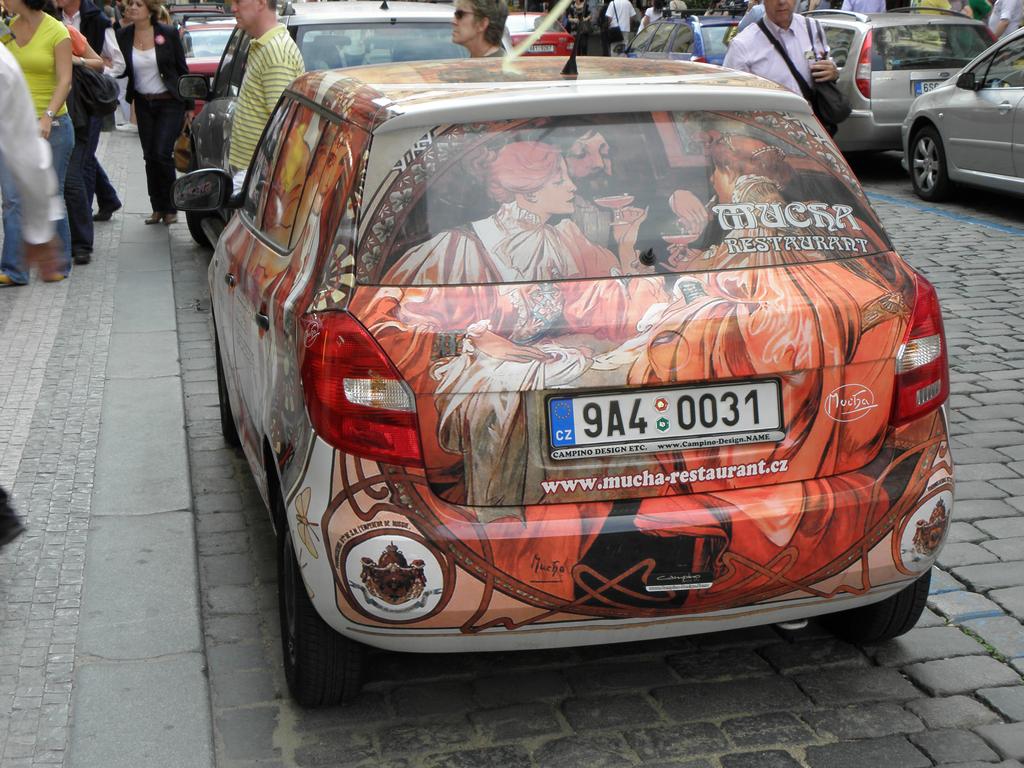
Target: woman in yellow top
[42,48]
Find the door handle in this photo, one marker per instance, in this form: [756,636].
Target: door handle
[230,280]
[263,321]
[1005,107]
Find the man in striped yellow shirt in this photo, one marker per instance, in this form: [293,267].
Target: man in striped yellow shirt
[274,61]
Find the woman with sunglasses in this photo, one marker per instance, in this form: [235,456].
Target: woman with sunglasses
[477,26]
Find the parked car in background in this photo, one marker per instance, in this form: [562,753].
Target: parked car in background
[888,59]
[970,129]
[204,42]
[686,37]
[523,360]
[329,35]
[554,42]
[183,13]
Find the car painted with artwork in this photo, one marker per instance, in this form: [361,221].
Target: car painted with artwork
[684,37]
[329,35]
[626,356]
[886,60]
[970,130]
[555,41]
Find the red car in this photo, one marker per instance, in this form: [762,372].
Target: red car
[204,45]
[554,42]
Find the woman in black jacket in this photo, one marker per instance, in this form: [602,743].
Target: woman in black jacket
[154,60]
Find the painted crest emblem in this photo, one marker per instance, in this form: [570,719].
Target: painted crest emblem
[928,534]
[392,578]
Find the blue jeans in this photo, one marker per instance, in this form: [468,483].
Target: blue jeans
[12,263]
[160,122]
[79,210]
[96,182]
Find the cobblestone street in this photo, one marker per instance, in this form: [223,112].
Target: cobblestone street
[138,619]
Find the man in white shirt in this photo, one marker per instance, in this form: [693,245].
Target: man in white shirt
[864,6]
[751,51]
[620,15]
[1005,17]
[84,16]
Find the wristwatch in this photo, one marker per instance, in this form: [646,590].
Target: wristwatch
[50,114]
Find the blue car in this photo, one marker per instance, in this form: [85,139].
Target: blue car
[688,37]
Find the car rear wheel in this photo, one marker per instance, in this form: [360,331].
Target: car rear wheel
[227,420]
[322,667]
[885,620]
[928,166]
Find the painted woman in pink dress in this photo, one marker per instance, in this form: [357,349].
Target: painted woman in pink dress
[494,311]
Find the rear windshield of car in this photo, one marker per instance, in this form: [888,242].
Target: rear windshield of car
[205,43]
[625,194]
[931,46]
[518,23]
[716,38]
[351,45]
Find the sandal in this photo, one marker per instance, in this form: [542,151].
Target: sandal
[171,218]
[155,217]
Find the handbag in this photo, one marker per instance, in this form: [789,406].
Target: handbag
[828,103]
[183,148]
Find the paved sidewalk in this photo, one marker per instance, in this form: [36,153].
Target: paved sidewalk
[101,659]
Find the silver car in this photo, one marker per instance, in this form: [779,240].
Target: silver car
[887,59]
[329,35]
[970,130]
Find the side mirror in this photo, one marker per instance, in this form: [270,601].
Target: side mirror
[207,190]
[193,87]
[967,81]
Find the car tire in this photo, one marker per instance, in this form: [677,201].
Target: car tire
[884,620]
[928,170]
[322,668]
[227,419]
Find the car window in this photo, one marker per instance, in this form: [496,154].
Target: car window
[330,152]
[265,158]
[351,45]
[222,80]
[1007,67]
[926,46]
[604,195]
[642,39]
[660,39]
[839,41]
[284,192]
[683,41]
[238,70]
[204,43]
[717,38]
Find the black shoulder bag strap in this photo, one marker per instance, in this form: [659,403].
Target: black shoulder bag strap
[805,89]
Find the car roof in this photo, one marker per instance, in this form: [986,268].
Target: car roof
[705,21]
[364,10]
[890,19]
[389,97]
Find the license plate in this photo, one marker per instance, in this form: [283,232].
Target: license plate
[923,86]
[655,420]
[542,49]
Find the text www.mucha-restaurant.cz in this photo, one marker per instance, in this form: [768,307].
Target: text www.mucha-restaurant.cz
[647,479]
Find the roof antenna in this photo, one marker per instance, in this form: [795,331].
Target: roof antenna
[570,69]
[384,6]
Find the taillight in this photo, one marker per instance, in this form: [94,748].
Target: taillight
[700,59]
[863,74]
[355,397]
[922,368]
